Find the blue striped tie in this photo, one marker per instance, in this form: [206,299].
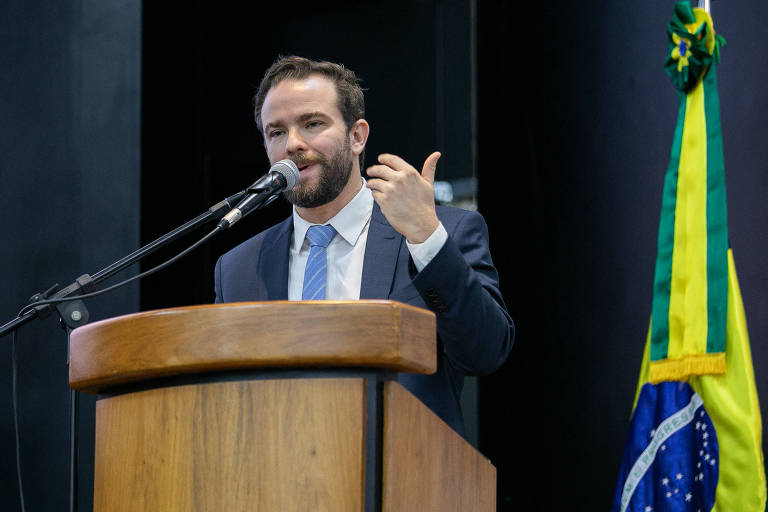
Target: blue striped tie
[315,273]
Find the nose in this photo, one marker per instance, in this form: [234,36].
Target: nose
[294,142]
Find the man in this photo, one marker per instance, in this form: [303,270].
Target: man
[387,238]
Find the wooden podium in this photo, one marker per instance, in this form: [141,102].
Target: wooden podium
[272,406]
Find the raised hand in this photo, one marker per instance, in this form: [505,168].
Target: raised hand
[406,196]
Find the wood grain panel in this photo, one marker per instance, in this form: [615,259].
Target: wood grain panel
[381,334]
[427,466]
[279,445]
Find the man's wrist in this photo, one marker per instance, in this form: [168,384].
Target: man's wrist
[423,253]
[424,233]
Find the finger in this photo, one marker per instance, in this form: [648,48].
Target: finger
[430,166]
[379,197]
[395,162]
[381,171]
[378,185]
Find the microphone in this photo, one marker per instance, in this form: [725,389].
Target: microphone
[283,175]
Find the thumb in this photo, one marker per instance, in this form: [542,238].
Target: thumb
[430,165]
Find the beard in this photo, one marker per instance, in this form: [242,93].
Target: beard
[334,174]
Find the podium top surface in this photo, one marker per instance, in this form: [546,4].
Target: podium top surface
[252,335]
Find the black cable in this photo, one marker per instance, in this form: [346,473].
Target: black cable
[28,307]
[14,362]
[122,283]
[14,373]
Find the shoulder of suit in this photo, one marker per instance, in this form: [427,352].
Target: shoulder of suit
[450,216]
[255,242]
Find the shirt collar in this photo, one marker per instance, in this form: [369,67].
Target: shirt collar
[348,223]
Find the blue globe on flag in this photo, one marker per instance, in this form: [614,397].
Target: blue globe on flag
[671,457]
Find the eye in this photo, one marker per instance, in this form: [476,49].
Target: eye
[314,123]
[275,133]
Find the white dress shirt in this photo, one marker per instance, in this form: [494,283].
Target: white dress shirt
[346,251]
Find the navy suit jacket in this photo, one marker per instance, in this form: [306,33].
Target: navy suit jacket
[460,285]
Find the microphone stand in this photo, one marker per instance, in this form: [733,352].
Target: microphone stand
[74,313]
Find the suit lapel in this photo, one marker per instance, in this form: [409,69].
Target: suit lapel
[274,261]
[380,261]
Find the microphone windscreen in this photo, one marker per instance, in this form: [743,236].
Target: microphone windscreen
[287,169]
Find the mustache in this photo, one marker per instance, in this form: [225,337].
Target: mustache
[304,160]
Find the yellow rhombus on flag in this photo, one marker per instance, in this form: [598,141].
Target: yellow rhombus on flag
[695,434]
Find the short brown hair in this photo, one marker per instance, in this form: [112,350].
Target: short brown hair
[351,102]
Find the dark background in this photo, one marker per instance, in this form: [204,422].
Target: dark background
[120,121]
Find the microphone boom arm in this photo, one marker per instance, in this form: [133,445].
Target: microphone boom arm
[215,212]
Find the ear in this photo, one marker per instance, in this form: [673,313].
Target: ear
[358,136]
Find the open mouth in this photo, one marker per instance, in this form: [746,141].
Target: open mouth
[304,167]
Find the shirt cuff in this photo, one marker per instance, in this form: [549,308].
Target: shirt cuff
[423,253]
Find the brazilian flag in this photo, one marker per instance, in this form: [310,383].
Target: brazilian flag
[695,433]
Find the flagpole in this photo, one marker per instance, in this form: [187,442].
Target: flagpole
[704,4]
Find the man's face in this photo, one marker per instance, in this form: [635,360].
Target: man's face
[302,122]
